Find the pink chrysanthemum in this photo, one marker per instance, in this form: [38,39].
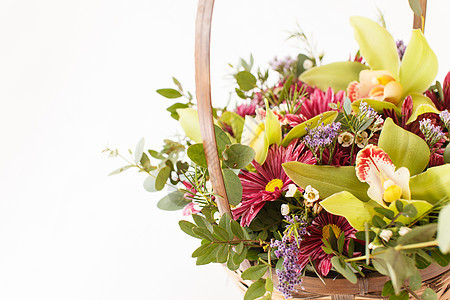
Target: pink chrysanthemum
[311,244]
[269,181]
[247,109]
[317,103]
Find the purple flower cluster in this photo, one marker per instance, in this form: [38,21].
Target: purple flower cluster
[366,112]
[288,249]
[432,133]
[445,117]
[282,65]
[401,48]
[322,136]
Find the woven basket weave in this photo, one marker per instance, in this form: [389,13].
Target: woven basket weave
[369,287]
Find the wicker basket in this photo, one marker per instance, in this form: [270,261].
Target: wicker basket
[369,287]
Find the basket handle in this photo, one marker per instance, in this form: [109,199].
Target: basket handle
[203,92]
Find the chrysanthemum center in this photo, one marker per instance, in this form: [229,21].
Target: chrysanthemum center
[326,231]
[274,183]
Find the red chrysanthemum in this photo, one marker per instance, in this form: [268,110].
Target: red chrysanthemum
[269,180]
[311,244]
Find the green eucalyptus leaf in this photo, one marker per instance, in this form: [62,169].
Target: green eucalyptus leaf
[429,294]
[239,156]
[246,80]
[299,131]
[389,214]
[197,154]
[187,227]
[415,281]
[120,170]
[222,138]
[400,267]
[443,236]
[327,179]
[173,201]
[422,207]
[149,182]
[233,186]
[418,234]
[340,266]
[256,290]
[139,150]
[255,272]
[404,148]
[169,93]
[173,110]
[162,177]
[432,185]
[335,75]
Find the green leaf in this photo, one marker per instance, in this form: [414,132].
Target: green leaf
[340,266]
[443,235]
[220,233]
[354,210]
[145,162]
[235,121]
[256,290]
[119,170]
[254,272]
[415,281]
[196,153]
[389,214]
[233,186]
[415,6]
[239,247]
[410,210]
[335,75]
[419,65]
[419,234]
[224,222]
[388,289]
[222,253]
[230,263]
[400,267]
[238,258]
[139,150]
[376,44]
[421,206]
[173,109]
[341,242]
[204,249]
[238,156]
[442,259]
[272,127]
[429,294]
[187,227]
[222,138]
[431,185]
[378,222]
[162,177]
[246,80]
[404,295]
[203,233]
[173,201]
[169,93]
[149,182]
[299,131]
[404,148]
[237,229]
[327,179]
[209,257]
[202,222]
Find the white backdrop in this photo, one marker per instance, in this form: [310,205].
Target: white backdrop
[76,76]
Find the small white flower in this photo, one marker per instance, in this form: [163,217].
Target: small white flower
[372,246]
[217,216]
[307,64]
[404,230]
[292,188]
[361,139]
[208,186]
[345,139]
[386,234]
[284,209]
[311,194]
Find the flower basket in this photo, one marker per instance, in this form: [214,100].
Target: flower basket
[368,287]
[332,183]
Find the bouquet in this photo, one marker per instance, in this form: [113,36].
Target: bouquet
[334,170]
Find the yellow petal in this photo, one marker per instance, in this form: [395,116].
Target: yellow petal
[419,65]
[376,45]
[273,127]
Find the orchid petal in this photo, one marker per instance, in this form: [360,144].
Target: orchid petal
[370,162]
[335,75]
[253,135]
[419,65]
[401,178]
[376,45]
[190,124]
[273,127]
[421,105]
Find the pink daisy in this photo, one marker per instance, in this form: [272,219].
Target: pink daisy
[311,244]
[269,181]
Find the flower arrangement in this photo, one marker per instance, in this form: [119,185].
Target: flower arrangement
[335,169]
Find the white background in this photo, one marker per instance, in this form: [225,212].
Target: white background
[76,76]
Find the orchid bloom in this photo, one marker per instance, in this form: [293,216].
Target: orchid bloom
[259,134]
[387,185]
[388,80]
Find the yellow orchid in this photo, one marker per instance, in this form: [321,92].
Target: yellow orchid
[389,82]
[259,133]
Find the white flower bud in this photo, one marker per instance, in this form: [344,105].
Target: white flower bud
[292,188]
[386,234]
[404,230]
[284,209]
[307,64]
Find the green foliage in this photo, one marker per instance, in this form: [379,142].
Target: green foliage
[238,156]
[256,290]
[447,154]
[173,110]
[173,201]
[340,266]
[120,170]
[443,236]
[169,93]
[233,186]
[419,234]
[400,267]
[235,121]
[246,80]
[254,272]
[429,294]
[196,153]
